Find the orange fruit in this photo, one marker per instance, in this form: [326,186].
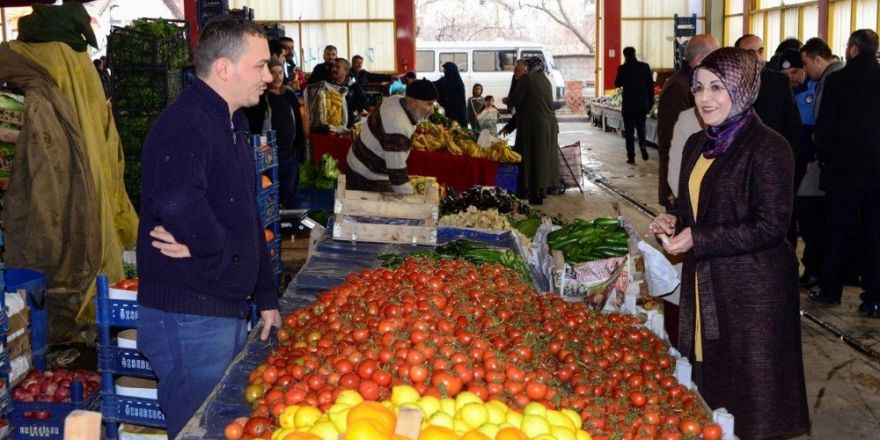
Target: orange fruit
[510,434]
[267,182]
[437,433]
[383,417]
[301,436]
[473,434]
[269,235]
[366,429]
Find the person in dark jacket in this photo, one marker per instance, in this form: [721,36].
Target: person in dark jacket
[201,247]
[279,110]
[355,99]
[776,104]
[452,96]
[638,98]
[847,134]
[739,317]
[675,98]
[324,71]
[519,69]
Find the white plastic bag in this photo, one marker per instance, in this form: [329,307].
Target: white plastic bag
[485,140]
[661,276]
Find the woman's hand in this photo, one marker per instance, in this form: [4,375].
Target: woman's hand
[663,224]
[681,243]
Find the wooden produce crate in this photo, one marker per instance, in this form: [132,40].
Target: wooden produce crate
[386,208]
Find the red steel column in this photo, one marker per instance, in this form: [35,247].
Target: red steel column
[405,34]
[746,27]
[191,15]
[610,43]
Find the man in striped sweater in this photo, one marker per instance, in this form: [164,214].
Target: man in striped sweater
[377,159]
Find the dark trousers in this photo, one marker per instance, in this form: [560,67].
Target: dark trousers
[843,210]
[288,180]
[189,354]
[633,122]
[811,225]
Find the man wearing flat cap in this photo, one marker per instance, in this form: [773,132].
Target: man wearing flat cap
[377,159]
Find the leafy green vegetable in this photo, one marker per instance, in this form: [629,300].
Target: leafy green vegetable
[321,177]
[9,103]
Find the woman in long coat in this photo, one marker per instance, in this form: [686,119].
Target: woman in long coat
[739,291]
[537,132]
[450,90]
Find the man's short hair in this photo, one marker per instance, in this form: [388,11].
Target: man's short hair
[740,39]
[410,75]
[276,48]
[223,37]
[788,43]
[357,57]
[865,40]
[286,40]
[330,47]
[342,60]
[629,52]
[817,47]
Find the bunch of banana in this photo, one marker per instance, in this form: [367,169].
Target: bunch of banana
[333,105]
[500,151]
[424,142]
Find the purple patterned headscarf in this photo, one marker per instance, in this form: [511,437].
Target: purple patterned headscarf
[740,72]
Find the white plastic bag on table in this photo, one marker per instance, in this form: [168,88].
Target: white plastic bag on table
[661,275]
[485,140]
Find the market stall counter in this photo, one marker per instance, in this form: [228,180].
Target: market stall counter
[456,171]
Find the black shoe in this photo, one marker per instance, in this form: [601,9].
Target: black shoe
[631,161]
[818,297]
[644,153]
[870,309]
[536,200]
[808,281]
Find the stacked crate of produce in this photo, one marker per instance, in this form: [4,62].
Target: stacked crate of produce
[5,407]
[27,319]
[268,201]
[128,388]
[149,61]
[11,116]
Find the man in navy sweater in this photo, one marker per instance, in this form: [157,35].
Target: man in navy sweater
[201,249]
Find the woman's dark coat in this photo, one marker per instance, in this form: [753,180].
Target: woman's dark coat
[748,274]
[451,97]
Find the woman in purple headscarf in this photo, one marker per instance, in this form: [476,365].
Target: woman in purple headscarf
[739,311]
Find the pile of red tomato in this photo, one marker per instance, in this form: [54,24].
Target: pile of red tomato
[448,326]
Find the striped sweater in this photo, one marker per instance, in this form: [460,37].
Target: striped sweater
[377,159]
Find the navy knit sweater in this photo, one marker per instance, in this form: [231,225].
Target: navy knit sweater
[198,181]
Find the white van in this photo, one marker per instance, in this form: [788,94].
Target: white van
[489,63]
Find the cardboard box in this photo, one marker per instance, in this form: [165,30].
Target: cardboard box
[19,345]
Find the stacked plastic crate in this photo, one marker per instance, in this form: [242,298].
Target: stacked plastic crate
[268,200]
[149,71]
[117,312]
[5,407]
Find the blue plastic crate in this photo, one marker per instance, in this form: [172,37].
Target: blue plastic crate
[35,284]
[506,178]
[51,427]
[267,205]
[276,264]
[265,157]
[125,361]
[117,313]
[124,409]
[315,199]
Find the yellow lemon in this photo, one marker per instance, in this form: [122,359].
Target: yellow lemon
[497,411]
[536,409]
[401,394]
[534,426]
[475,414]
[281,433]
[448,406]
[325,430]
[349,397]
[460,426]
[490,429]
[429,405]
[474,434]
[465,398]
[338,414]
[545,437]
[306,417]
[582,435]
[574,417]
[514,418]
[441,419]
[286,419]
[562,433]
[556,418]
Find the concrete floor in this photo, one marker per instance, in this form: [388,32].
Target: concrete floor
[843,385]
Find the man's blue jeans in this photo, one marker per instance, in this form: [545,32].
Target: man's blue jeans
[189,354]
